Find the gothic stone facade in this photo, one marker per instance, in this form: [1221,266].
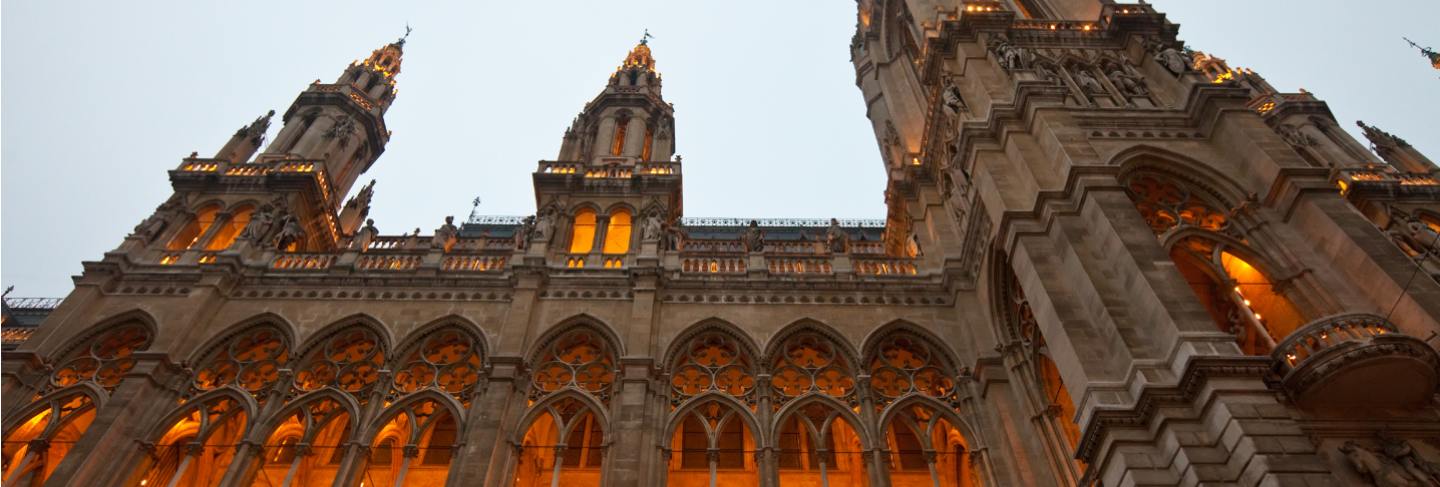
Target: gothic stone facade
[1108,260]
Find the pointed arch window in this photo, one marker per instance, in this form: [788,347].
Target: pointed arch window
[104,360]
[927,449]
[447,360]
[579,359]
[713,361]
[226,234]
[198,448]
[38,443]
[617,146]
[649,142]
[904,364]
[712,446]
[349,359]
[251,361]
[190,234]
[305,449]
[566,441]
[809,362]
[617,232]
[414,447]
[582,233]
[818,446]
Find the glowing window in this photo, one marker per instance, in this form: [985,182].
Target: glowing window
[618,145]
[582,235]
[192,232]
[225,236]
[617,233]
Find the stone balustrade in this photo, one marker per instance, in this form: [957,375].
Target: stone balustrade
[1353,359]
[885,267]
[799,265]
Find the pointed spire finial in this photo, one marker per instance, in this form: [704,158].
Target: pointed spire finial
[401,42]
[645,39]
[1427,52]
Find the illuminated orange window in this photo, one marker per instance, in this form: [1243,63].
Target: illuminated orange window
[582,235]
[225,236]
[617,233]
[1058,397]
[198,448]
[649,140]
[58,423]
[1240,298]
[618,146]
[192,232]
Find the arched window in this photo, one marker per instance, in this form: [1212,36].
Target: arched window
[649,141]
[34,446]
[196,449]
[349,359]
[617,233]
[712,446]
[426,434]
[251,361]
[1239,297]
[582,234]
[565,442]
[1059,404]
[818,446]
[191,233]
[904,364]
[105,359]
[809,362]
[226,234]
[927,450]
[712,361]
[306,448]
[617,146]
[580,359]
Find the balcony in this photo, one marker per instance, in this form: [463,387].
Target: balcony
[1355,359]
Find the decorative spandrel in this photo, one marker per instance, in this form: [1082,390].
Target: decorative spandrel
[448,360]
[349,360]
[713,362]
[580,359]
[906,365]
[252,361]
[808,363]
[106,359]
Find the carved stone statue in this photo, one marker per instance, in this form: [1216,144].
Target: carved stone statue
[523,232]
[259,226]
[1401,452]
[365,236]
[753,238]
[1128,83]
[1381,470]
[836,238]
[673,237]
[1174,60]
[1424,236]
[651,227]
[1011,57]
[151,228]
[343,128]
[1087,82]
[1047,73]
[290,233]
[954,101]
[544,225]
[445,235]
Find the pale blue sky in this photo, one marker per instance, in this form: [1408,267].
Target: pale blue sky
[101,98]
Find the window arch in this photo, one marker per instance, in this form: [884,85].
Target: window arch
[565,441]
[198,447]
[226,234]
[712,444]
[927,448]
[105,359]
[425,433]
[306,447]
[190,234]
[713,361]
[819,446]
[617,232]
[582,233]
[808,362]
[904,363]
[1209,251]
[251,361]
[36,444]
[349,359]
[1059,404]
[446,359]
[580,359]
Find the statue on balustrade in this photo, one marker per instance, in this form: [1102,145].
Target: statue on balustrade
[412,240]
[1087,81]
[836,238]
[365,236]
[523,232]
[1046,71]
[1011,57]
[544,225]
[753,238]
[259,226]
[673,236]
[157,222]
[291,233]
[446,235]
[954,101]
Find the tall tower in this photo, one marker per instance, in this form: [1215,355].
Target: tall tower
[614,171]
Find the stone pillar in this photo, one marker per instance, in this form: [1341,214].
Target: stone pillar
[494,411]
[251,451]
[110,450]
[630,425]
[634,137]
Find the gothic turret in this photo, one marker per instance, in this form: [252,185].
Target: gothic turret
[342,124]
[246,141]
[628,120]
[1396,151]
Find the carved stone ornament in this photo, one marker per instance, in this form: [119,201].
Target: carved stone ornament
[1130,84]
[1384,467]
[753,238]
[523,233]
[445,235]
[1011,57]
[1088,83]
[1294,136]
[1175,61]
[836,238]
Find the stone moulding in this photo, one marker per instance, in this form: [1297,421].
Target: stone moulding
[1354,358]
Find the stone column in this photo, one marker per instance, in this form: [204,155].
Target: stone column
[494,411]
[251,451]
[110,450]
[634,137]
[631,428]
